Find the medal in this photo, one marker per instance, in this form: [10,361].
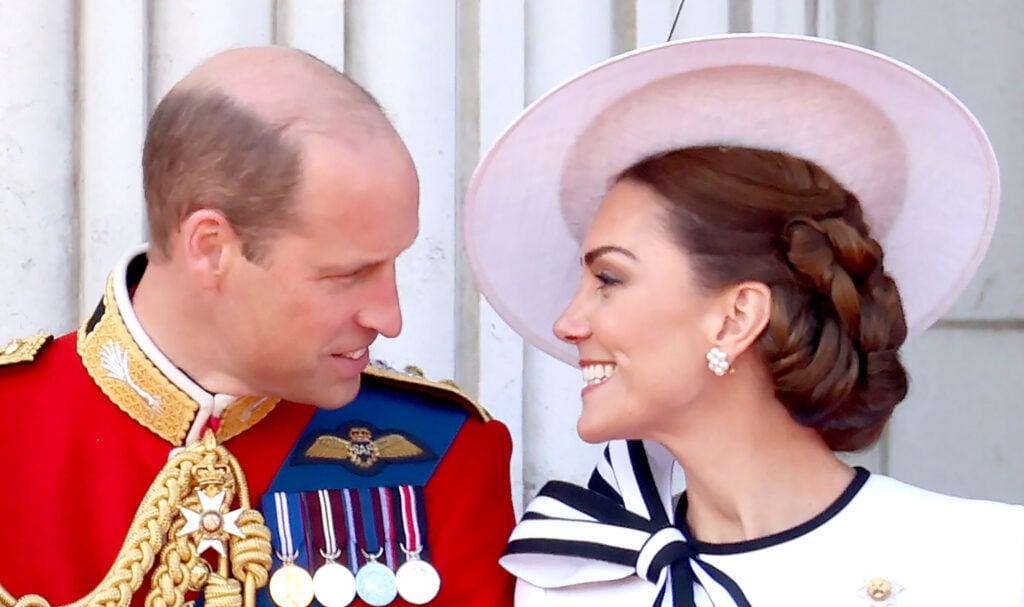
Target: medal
[417,580]
[333,583]
[290,585]
[375,583]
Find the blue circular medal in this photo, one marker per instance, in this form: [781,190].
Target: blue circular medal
[375,584]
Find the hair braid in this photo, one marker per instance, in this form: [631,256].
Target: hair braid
[837,321]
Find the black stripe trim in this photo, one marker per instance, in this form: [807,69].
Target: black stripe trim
[661,596]
[860,477]
[597,484]
[669,553]
[684,584]
[723,580]
[596,506]
[586,550]
[645,480]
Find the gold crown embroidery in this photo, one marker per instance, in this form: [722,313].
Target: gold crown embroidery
[361,449]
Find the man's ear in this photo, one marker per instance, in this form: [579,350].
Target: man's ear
[746,309]
[209,245]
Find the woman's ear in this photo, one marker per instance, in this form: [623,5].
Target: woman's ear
[209,245]
[747,308]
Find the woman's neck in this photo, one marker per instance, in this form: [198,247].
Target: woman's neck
[752,471]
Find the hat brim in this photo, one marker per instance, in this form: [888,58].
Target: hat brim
[919,162]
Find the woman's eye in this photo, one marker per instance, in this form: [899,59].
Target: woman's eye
[607,280]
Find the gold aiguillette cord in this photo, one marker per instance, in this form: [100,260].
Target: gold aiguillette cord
[186,509]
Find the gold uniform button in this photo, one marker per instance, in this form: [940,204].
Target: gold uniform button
[12,347]
[879,589]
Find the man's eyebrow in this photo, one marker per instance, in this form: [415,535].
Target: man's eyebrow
[593,254]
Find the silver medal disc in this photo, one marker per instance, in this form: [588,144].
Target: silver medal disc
[375,584]
[418,582]
[334,585]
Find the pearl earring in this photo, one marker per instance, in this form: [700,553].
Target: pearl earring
[718,361]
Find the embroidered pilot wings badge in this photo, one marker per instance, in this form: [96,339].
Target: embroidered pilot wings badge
[364,449]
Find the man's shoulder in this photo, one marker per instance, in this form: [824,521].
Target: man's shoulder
[36,358]
[40,373]
[412,380]
[23,350]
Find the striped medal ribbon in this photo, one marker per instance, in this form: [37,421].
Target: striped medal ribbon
[290,585]
[418,581]
[333,583]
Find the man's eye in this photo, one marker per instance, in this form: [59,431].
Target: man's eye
[348,275]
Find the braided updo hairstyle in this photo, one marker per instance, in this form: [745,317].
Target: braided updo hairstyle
[831,344]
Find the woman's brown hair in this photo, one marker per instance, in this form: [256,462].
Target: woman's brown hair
[837,322]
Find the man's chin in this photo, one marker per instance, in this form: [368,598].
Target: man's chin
[336,398]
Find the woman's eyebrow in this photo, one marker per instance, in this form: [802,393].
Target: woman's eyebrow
[594,253]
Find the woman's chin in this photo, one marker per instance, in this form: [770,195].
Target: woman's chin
[594,433]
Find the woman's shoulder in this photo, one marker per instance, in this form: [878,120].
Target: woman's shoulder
[927,519]
[926,547]
[926,506]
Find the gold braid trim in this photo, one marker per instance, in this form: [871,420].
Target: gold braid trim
[203,466]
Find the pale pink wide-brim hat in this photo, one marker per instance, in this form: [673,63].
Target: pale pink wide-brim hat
[916,158]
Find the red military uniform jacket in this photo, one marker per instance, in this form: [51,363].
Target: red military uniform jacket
[89,421]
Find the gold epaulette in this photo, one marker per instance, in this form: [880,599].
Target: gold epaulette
[23,350]
[414,379]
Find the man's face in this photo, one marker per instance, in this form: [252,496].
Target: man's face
[298,324]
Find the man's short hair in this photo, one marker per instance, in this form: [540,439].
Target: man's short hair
[203,150]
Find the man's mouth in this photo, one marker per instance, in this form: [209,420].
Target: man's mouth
[354,354]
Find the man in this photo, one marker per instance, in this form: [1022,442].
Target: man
[278,197]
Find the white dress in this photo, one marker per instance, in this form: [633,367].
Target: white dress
[882,543]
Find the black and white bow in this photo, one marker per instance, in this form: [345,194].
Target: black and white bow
[621,525]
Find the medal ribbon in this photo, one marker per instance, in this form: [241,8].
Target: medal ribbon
[327,522]
[366,528]
[413,521]
[350,528]
[288,527]
[386,521]
[621,525]
[326,533]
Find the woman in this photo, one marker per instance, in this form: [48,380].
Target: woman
[728,201]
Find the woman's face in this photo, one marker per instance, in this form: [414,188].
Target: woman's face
[641,323]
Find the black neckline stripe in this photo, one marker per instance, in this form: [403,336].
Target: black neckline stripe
[645,481]
[861,476]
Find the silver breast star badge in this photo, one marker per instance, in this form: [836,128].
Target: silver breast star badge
[210,523]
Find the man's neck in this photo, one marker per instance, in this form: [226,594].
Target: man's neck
[174,323]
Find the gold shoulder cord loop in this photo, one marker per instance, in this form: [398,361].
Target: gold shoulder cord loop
[186,511]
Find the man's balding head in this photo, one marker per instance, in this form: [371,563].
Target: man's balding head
[230,136]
